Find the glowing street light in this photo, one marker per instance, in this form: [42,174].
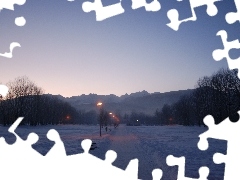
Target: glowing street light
[99,104]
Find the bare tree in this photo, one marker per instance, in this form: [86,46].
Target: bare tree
[21,92]
[218,95]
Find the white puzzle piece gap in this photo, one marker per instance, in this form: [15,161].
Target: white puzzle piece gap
[219,54]
[3,90]
[173,14]
[157,174]
[58,149]
[226,130]
[10,54]
[232,17]
[102,12]
[12,157]
[81,166]
[9,4]
[19,21]
[180,162]
[153,6]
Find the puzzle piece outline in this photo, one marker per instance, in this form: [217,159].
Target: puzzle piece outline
[180,162]
[220,54]
[103,12]
[3,90]
[217,132]
[173,14]
[233,17]
[50,160]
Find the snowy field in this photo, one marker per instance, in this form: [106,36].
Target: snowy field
[150,144]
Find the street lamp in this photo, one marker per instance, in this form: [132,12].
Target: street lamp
[113,118]
[99,104]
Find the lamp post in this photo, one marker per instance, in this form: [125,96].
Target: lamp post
[100,116]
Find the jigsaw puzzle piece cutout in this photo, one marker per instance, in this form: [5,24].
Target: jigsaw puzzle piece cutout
[219,158]
[21,151]
[24,147]
[3,147]
[9,138]
[233,148]
[9,54]
[9,4]
[203,143]
[32,138]
[173,14]
[132,169]
[110,156]
[219,54]
[13,127]
[58,149]
[230,159]
[233,17]
[3,91]
[86,145]
[153,6]
[216,131]
[84,161]
[102,12]
[180,162]
[107,170]
[157,174]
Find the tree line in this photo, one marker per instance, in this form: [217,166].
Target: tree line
[217,95]
[26,99]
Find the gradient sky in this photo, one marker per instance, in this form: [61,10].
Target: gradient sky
[66,51]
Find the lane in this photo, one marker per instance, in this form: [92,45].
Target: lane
[149,144]
[128,146]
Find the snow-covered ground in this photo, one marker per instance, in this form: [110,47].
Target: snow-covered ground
[150,144]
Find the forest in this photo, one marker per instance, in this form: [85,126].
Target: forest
[217,95]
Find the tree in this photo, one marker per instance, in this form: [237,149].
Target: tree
[166,114]
[182,110]
[25,99]
[218,95]
[20,95]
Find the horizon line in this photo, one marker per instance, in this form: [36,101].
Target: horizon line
[117,95]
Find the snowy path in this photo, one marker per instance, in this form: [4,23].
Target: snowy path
[128,146]
[150,144]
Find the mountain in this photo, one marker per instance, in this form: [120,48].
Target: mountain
[139,102]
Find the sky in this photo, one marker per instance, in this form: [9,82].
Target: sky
[66,51]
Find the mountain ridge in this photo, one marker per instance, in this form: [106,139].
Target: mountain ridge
[141,101]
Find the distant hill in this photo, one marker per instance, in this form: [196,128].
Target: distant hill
[139,102]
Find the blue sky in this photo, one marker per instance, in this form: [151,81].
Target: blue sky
[66,51]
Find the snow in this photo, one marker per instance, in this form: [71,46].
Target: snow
[150,144]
